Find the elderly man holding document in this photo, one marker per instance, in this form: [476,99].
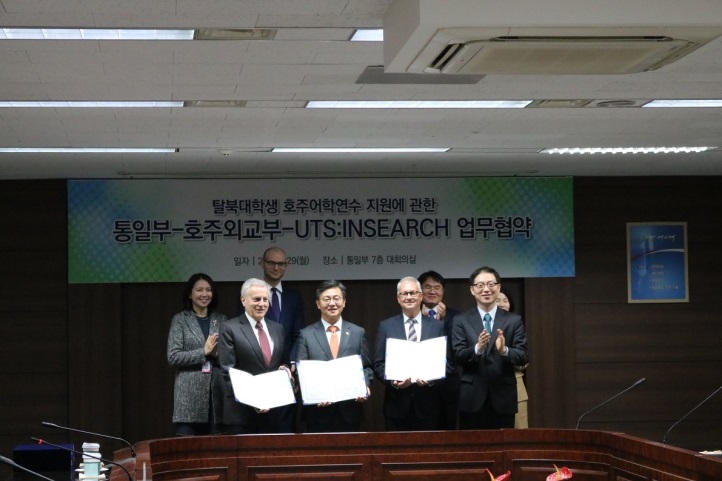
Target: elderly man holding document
[255,346]
[334,366]
[410,403]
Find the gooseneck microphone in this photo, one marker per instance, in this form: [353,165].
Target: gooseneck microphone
[42,441]
[16,465]
[51,425]
[610,399]
[664,440]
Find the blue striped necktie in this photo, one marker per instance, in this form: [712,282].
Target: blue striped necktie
[412,330]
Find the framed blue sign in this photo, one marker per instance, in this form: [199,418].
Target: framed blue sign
[657,262]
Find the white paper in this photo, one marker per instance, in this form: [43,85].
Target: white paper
[331,381]
[424,360]
[264,391]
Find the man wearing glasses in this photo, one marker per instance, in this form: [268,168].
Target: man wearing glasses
[488,342]
[409,405]
[286,308]
[331,338]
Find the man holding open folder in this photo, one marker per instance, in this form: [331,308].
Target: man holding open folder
[331,338]
[409,404]
[252,344]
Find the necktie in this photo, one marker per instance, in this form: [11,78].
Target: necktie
[275,305]
[412,330]
[487,323]
[333,341]
[432,313]
[263,341]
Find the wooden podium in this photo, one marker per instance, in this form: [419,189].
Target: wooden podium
[530,455]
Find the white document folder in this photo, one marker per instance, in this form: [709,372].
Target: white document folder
[331,381]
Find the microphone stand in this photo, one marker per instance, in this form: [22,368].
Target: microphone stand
[51,425]
[610,399]
[664,440]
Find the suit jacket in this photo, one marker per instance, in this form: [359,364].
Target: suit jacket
[488,373]
[313,344]
[194,390]
[292,318]
[239,348]
[424,401]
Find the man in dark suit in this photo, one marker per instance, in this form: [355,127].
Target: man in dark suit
[432,305]
[412,404]
[318,342]
[488,342]
[253,344]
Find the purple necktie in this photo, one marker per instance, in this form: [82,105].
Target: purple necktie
[275,305]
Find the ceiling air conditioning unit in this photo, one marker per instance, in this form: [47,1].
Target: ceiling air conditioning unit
[560,37]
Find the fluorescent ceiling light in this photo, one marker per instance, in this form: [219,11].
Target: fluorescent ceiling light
[368,35]
[86,104]
[685,103]
[417,104]
[93,34]
[86,149]
[360,149]
[627,150]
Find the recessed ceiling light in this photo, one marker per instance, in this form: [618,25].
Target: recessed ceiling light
[94,34]
[417,104]
[360,150]
[86,104]
[685,103]
[368,35]
[626,150]
[84,149]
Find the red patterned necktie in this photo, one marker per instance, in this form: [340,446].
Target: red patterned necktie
[263,341]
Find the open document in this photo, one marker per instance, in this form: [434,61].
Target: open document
[264,391]
[331,381]
[424,360]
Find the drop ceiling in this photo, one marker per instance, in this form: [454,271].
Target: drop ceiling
[250,97]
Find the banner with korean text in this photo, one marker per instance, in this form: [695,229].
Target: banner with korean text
[165,230]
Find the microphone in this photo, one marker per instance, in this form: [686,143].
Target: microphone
[51,425]
[610,399]
[664,440]
[16,465]
[42,441]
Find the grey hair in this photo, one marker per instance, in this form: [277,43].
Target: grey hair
[250,283]
[408,279]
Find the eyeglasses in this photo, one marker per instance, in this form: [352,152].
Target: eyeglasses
[481,285]
[282,265]
[335,299]
[432,288]
[409,294]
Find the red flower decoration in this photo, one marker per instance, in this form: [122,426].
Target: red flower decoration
[502,477]
[564,473]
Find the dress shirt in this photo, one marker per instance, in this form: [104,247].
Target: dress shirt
[492,313]
[326,325]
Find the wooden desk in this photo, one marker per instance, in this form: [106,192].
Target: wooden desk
[530,455]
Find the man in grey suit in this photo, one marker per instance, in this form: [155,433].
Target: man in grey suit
[409,405]
[252,344]
[330,338]
[488,342]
